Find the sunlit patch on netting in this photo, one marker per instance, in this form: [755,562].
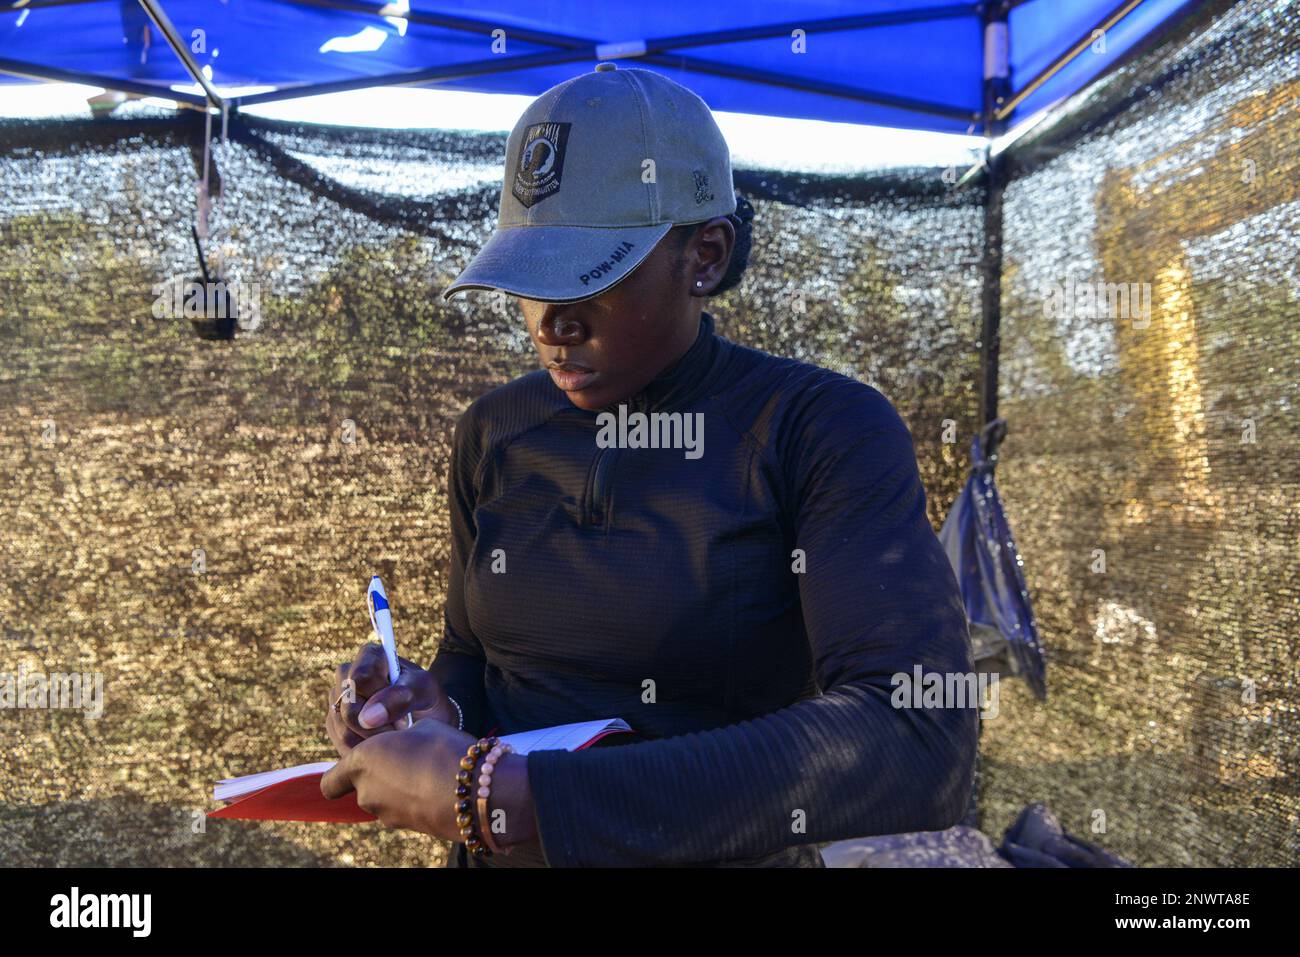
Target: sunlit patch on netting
[1150,358]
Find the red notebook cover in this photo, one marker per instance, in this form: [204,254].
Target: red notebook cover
[298,799]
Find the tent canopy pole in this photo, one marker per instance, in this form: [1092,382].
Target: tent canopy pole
[32,71]
[164,24]
[997,88]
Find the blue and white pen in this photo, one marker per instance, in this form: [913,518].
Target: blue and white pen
[381,619]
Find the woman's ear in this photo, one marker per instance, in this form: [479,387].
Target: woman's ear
[712,254]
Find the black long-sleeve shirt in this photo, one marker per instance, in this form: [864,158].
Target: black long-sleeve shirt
[743,611]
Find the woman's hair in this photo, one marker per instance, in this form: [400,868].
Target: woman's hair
[741,220]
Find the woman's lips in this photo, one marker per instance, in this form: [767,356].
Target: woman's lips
[571,376]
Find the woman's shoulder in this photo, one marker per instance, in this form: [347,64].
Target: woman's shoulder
[777,400]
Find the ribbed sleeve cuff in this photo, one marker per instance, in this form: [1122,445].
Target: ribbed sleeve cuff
[556,820]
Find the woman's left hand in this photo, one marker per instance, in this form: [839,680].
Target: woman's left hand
[406,778]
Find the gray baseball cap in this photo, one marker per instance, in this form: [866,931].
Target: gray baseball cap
[598,169]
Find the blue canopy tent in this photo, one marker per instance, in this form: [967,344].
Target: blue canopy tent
[914,64]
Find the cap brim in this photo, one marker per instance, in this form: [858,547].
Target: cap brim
[558,263]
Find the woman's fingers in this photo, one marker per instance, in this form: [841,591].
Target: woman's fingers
[416,694]
[368,674]
[343,738]
[369,670]
[365,703]
[387,706]
[414,689]
[342,681]
[342,721]
[337,781]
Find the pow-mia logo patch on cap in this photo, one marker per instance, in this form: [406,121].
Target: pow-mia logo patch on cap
[540,162]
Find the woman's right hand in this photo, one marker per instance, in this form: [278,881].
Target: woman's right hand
[370,705]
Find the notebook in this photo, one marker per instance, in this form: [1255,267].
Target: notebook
[293,794]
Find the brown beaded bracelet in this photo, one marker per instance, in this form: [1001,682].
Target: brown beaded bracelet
[464,800]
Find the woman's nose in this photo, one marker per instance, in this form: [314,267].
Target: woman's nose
[561,330]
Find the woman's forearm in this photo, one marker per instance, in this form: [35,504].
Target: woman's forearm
[511,795]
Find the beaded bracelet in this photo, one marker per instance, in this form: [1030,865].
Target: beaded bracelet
[484,790]
[464,806]
[460,715]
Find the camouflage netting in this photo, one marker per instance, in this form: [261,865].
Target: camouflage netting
[1150,472]
[313,450]
[197,520]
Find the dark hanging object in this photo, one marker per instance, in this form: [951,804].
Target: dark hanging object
[983,554]
[214,317]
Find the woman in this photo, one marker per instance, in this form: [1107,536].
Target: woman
[742,593]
